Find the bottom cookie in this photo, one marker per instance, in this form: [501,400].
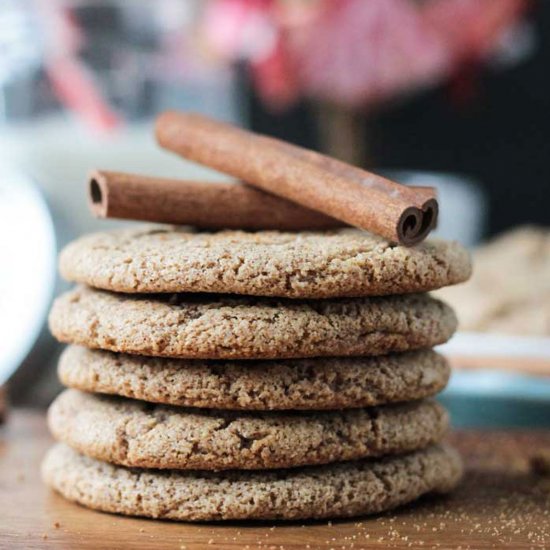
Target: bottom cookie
[338,490]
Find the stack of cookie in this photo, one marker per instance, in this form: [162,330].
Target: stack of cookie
[251,375]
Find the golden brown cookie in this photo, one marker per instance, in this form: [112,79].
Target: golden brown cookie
[138,434]
[319,383]
[336,490]
[340,263]
[214,327]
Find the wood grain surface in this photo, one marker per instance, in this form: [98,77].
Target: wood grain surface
[501,504]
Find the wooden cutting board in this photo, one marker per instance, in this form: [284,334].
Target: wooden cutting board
[500,504]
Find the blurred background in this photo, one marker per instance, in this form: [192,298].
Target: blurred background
[451,93]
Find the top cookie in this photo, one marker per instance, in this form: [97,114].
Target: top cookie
[342,263]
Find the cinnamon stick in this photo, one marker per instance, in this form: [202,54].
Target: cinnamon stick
[207,205]
[354,196]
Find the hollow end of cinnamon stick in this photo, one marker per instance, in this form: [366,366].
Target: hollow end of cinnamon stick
[98,194]
[205,205]
[415,224]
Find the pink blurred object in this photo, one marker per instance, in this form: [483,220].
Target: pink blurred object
[481,24]
[252,30]
[355,52]
[75,87]
[360,52]
[275,78]
[72,82]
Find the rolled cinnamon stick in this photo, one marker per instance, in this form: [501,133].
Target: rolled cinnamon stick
[207,205]
[357,197]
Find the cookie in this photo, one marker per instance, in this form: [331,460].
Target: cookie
[510,290]
[214,327]
[339,263]
[320,383]
[337,490]
[138,434]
